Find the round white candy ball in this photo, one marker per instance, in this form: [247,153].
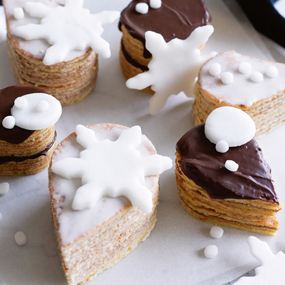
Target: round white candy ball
[0,217]
[20,238]
[142,8]
[244,67]
[216,232]
[256,77]
[18,13]
[211,251]
[155,4]
[231,165]
[8,122]
[4,188]
[42,106]
[215,69]
[222,146]
[271,71]
[227,77]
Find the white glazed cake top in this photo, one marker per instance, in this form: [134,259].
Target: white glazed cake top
[73,224]
[241,80]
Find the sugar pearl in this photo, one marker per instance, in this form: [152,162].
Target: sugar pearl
[244,68]
[215,69]
[4,188]
[21,103]
[155,4]
[271,71]
[227,77]
[1,217]
[42,106]
[20,238]
[9,122]
[222,146]
[18,13]
[142,8]
[231,165]
[256,77]
[216,232]
[211,251]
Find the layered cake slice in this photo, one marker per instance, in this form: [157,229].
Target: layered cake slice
[102,216]
[222,176]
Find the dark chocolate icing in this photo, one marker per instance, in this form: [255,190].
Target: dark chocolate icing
[174,19]
[201,163]
[7,98]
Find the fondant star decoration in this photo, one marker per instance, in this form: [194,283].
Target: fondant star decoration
[173,67]
[66,28]
[272,269]
[111,168]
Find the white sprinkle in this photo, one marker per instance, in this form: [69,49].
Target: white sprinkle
[155,4]
[216,232]
[18,13]
[21,103]
[222,146]
[231,165]
[142,8]
[42,106]
[271,71]
[244,68]
[1,217]
[211,251]
[4,188]
[227,78]
[256,77]
[8,122]
[215,69]
[20,238]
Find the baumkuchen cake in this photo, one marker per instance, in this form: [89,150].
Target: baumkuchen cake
[222,176]
[101,219]
[255,86]
[54,51]
[172,19]
[27,132]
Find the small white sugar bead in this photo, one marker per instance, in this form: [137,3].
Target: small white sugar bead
[42,106]
[211,251]
[244,67]
[216,232]
[231,165]
[4,188]
[18,13]
[21,103]
[227,78]
[142,8]
[8,122]
[20,238]
[256,77]
[1,217]
[215,69]
[222,146]
[271,71]
[155,4]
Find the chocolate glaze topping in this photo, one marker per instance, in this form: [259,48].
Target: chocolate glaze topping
[201,163]
[7,98]
[174,19]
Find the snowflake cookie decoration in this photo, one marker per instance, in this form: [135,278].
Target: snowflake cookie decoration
[272,269]
[111,168]
[66,28]
[173,67]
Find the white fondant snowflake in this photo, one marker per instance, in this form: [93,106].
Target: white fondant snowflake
[272,269]
[111,168]
[173,67]
[67,28]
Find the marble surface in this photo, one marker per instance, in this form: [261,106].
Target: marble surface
[173,253]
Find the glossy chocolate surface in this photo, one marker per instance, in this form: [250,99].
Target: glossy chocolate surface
[201,163]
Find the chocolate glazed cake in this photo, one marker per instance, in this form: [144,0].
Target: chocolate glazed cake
[244,199]
[174,19]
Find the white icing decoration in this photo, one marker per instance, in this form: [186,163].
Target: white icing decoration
[155,4]
[56,26]
[20,238]
[215,69]
[272,266]
[271,71]
[42,106]
[4,188]
[142,8]
[222,146]
[121,160]
[211,251]
[18,13]
[1,217]
[231,165]
[244,67]
[216,232]
[256,77]
[227,78]
[21,103]
[8,122]
[30,118]
[173,67]
[231,125]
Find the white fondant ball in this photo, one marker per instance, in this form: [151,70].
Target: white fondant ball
[18,13]
[244,67]
[20,238]
[8,122]
[215,69]
[142,8]
[21,103]
[256,76]
[227,78]
[0,217]
[211,251]
[216,232]
[271,71]
[42,106]
[155,4]
[231,165]
[222,146]
[4,188]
